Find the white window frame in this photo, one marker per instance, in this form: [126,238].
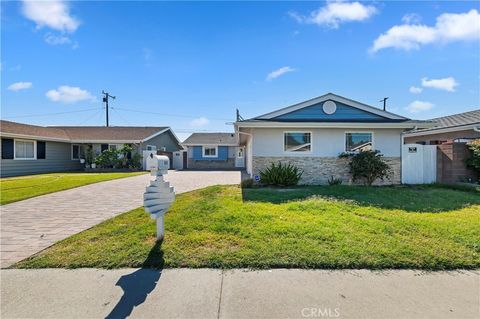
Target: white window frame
[298,152]
[22,158]
[71,153]
[151,148]
[204,147]
[359,132]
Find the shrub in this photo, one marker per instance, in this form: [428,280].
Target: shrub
[281,175]
[332,181]
[108,159]
[474,160]
[368,166]
[119,158]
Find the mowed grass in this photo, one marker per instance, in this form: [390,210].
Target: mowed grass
[306,227]
[13,189]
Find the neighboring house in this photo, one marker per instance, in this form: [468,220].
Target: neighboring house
[462,126]
[30,149]
[313,133]
[451,134]
[213,151]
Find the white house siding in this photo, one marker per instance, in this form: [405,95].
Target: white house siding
[57,159]
[322,162]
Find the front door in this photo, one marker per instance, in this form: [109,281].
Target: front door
[240,157]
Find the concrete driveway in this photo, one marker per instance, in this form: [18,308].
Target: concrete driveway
[209,293]
[32,225]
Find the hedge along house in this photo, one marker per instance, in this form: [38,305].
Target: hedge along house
[311,135]
[214,151]
[30,149]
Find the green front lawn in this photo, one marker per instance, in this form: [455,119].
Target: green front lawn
[305,227]
[13,189]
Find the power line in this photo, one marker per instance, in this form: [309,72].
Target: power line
[169,115]
[48,114]
[91,117]
[120,116]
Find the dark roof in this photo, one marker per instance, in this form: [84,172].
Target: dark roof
[32,130]
[81,133]
[112,133]
[211,139]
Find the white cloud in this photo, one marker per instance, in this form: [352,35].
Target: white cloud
[446,84]
[275,74]
[411,18]
[19,86]
[56,39]
[335,13]
[53,39]
[54,14]
[198,122]
[419,106]
[415,90]
[449,27]
[68,94]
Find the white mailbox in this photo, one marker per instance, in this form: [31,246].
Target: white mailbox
[159,195]
[158,163]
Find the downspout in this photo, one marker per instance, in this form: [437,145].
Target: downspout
[476,128]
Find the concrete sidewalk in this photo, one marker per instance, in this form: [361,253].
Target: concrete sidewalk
[206,293]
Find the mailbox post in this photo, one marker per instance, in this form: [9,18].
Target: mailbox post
[159,195]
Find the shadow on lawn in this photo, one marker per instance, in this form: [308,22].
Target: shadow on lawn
[424,198]
[139,284]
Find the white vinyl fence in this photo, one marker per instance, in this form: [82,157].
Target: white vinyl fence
[419,164]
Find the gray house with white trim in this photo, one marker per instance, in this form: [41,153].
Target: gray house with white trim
[313,133]
[32,149]
[214,151]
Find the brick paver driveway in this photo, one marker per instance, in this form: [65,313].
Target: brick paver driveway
[34,224]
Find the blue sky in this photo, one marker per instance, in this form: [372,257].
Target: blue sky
[196,62]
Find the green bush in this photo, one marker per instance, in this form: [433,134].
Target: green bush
[281,175]
[474,160]
[119,158]
[108,159]
[368,166]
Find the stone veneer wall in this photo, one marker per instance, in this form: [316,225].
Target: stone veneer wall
[317,170]
[211,164]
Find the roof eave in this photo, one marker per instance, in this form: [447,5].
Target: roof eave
[271,124]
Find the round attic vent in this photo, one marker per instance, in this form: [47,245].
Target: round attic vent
[329,107]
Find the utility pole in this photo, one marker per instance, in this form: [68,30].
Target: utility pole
[384,100]
[105,99]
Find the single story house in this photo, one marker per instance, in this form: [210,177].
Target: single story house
[31,149]
[213,151]
[451,134]
[313,133]
[456,127]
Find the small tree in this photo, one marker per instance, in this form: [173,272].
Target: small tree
[368,166]
[474,160]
